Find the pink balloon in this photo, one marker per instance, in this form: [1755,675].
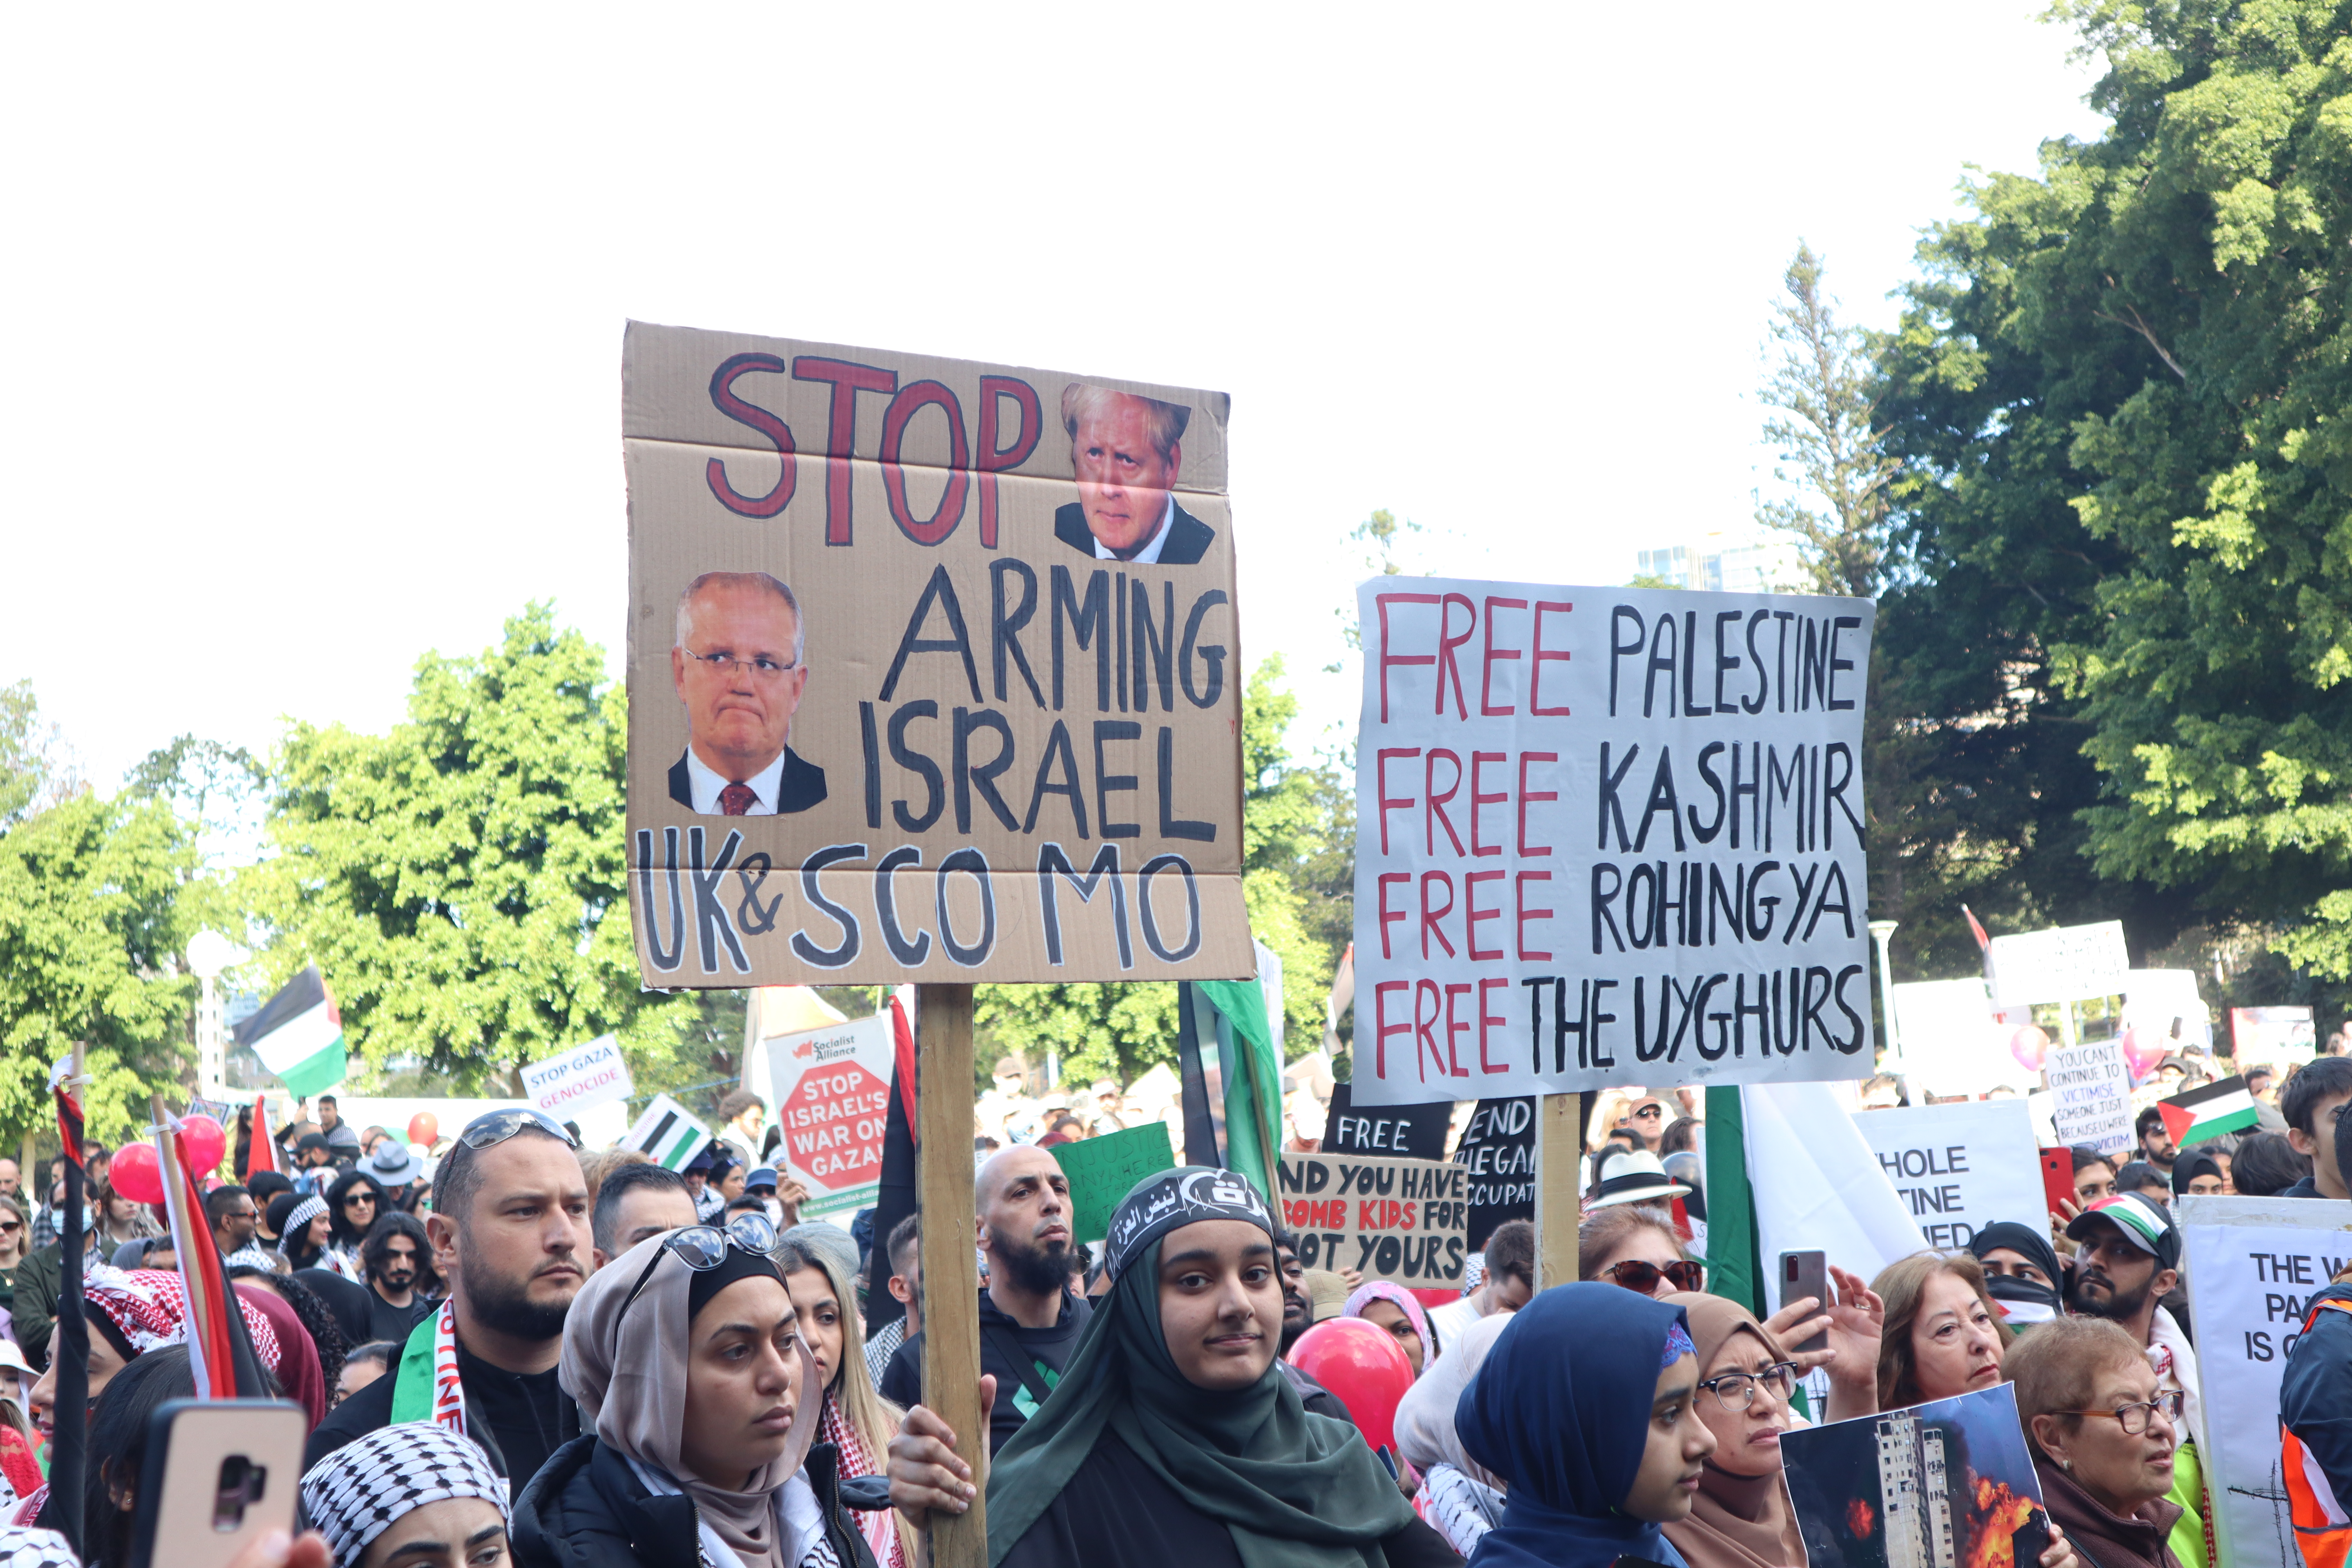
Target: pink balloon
[2031,1046]
[137,1175]
[2142,1059]
[206,1142]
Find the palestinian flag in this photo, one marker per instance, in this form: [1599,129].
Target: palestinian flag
[668,1135]
[261,1152]
[221,1356]
[299,1036]
[2208,1113]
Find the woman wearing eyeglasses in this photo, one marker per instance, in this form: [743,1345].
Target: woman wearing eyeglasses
[685,1352]
[14,1228]
[2103,1436]
[354,1203]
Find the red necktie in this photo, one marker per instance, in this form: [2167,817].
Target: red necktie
[736,799]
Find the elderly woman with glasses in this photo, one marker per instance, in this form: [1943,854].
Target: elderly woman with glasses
[2103,1436]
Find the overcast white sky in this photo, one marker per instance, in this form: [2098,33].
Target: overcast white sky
[318,311]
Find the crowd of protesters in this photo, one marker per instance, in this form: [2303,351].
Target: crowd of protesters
[507,1346]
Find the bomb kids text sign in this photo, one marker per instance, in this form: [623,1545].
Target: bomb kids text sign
[1607,836]
[933,670]
[1400,1220]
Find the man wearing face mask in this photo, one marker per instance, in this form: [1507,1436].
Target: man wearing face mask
[509,1232]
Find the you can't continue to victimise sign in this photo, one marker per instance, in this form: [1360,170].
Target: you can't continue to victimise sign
[1607,836]
[933,670]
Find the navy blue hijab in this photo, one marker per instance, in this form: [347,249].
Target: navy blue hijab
[1560,1411]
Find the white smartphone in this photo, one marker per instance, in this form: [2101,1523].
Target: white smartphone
[218,1475]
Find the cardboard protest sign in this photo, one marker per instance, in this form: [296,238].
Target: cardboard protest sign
[1607,836]
[2252,1266]
[667,1133]
[579,1080]
[1400,1220]
[833,1100]
[1959,1168]
[933,670]
[1498,1156]
[1927,1485]
[1101,1171]
[2091,1103]
[2064,964]
[1415,1131]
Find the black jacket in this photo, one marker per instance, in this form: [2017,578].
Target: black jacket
[1045,1351]
[798,788]
[586,1509]
[1188,536]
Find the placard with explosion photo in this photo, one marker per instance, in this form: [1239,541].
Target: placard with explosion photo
[1948,1484]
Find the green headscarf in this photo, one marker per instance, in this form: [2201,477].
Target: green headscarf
[1296,1490]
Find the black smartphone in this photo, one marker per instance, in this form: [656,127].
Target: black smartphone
[218,1475]
[1804,1274]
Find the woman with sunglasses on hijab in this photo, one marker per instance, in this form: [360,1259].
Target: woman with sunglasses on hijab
[1587,1411]
[859,1422]
[1172,1440]
[1458,1498]
[685,1352]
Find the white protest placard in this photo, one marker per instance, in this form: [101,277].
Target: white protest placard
[1817,1184]
[1959,1168]
[2090,1096]
[585,1075]
[2253,1264]
[1951,1042]
[2162,1006]
[2064,964]
[1608,836]
[833,1100]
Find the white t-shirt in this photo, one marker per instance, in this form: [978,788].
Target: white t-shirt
[1454,1320]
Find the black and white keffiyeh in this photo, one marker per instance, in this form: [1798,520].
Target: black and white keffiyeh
[22,1546]
[361,1490]
[300,1220]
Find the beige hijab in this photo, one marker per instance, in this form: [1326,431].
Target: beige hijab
[1737,1521]
[625,1361]
[1424,1416]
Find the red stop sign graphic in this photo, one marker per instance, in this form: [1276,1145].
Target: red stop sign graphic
[833,1123]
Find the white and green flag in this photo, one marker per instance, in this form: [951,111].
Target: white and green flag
[667,1133]
[299,1036]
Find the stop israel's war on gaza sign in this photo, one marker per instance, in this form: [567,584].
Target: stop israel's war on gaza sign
[1608,836]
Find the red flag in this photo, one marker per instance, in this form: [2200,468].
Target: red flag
[220,1348]
[261,1154]
[903,1068]
[1984,943]
[68,1122]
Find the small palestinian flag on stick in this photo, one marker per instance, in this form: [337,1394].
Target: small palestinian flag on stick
[2208,1113]
[668,1135]
[261,1153]
[299,1036]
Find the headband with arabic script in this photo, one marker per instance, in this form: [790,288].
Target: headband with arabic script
[1171,1199]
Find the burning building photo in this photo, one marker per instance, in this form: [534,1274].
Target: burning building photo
[1943,1484]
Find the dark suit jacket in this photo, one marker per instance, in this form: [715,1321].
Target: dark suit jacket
[1188,536]
[798,788]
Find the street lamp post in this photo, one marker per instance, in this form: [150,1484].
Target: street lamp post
[1880,931]
[209,952]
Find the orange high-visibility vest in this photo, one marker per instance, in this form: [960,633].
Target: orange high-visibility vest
[2322,1528]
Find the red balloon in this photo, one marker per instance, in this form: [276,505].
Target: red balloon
[206,1143]
[138,1175]
[423,1127]
[1364,1365]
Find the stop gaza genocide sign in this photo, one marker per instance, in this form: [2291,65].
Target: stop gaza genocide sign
[933,670]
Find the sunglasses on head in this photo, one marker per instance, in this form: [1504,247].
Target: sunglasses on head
[704,1246]
[1636,1275]
[497,1127]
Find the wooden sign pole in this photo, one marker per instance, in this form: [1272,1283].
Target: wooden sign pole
[944,1196]
[1560,1144]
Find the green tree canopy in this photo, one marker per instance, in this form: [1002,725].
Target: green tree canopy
[2121,395]
[459,879]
